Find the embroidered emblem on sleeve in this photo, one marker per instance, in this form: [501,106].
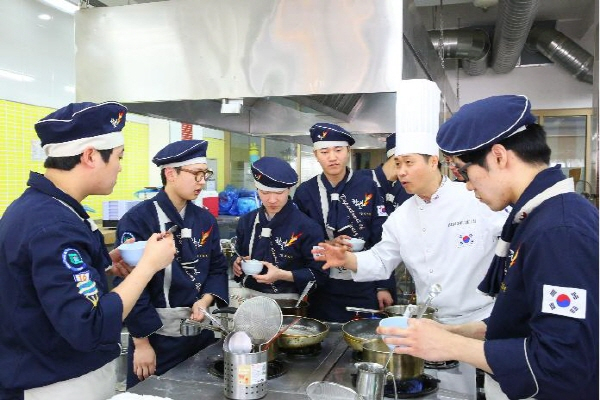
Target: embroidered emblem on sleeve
[565,301]
[126,236]
[72,260]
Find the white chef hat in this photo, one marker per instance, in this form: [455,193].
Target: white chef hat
[417,117]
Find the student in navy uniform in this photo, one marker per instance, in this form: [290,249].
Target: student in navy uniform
[278,234]
[386,178]
[346,205]
[195,279]
[541,339]
[61,327]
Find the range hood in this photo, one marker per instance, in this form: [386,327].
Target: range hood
[289,63]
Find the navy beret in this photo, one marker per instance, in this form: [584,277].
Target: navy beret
[180,153]
[273,174]
[70,130]
[329,135]
[390,145]
[484,122]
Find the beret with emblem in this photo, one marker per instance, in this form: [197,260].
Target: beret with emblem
[273,174]
[325,135]
[484,122]
[390,145]
[180,153]
[68,131]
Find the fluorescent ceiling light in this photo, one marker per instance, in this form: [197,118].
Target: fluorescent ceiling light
[44,17]
[62,5]
[15,76]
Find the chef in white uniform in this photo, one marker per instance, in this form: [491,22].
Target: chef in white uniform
[443,233]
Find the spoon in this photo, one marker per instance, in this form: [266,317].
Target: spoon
[171,230]
[233,242]
[434,290]
[309,285]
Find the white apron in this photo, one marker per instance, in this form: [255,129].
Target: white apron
[95,385]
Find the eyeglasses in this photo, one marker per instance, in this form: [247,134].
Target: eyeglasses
[463,171]
[199,175]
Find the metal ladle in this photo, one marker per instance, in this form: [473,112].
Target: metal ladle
[233,242]
[434,290]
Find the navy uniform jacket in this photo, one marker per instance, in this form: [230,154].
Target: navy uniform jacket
[209,276]
[291,239]
[392,192]
[554,261]
[58,319]
[362,217]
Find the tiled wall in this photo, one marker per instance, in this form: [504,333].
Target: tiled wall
[17,159]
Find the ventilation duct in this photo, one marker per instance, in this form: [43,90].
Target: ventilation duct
[472,46]
[563,51]
[514,21]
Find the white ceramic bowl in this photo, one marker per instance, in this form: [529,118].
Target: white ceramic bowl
[252,267]
[357,244]
[393,322]
[132,252]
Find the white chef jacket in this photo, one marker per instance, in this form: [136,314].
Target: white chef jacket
[449,240]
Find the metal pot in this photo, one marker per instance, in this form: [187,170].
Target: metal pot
[402,366]
[398,310]
[358,331]
[288,307]
[306,332]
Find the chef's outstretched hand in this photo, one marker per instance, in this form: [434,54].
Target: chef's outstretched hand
[333,255]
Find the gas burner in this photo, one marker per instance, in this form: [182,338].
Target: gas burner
[411,388]
[275,368]
[302,352]
[420,386]
[441,364]
[357,355]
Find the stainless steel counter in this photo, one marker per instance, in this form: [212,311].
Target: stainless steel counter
[191,380]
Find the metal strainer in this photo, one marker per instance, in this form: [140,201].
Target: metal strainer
[260,317]
[331,391]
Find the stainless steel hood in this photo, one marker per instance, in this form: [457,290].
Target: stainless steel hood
[293,62]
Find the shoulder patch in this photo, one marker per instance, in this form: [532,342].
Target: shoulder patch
[565,301]
[72,260]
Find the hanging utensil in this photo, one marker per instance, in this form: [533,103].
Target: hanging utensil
[260,317]
[434,290]
[307,288]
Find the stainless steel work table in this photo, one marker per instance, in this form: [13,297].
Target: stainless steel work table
[191,380]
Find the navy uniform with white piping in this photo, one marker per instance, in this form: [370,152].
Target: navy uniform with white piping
[392,191]
[58,319]
[199,266]
[542,334]
[354,208]
[286,240]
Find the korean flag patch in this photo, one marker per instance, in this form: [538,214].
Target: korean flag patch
[381,211]
[565,301]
